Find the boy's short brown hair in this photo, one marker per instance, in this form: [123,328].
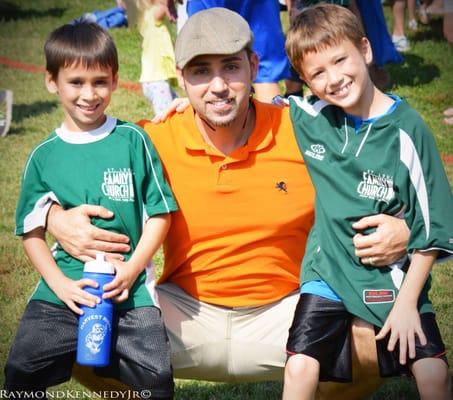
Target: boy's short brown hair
[81,42]
[318,27]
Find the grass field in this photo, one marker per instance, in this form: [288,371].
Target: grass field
[425,79]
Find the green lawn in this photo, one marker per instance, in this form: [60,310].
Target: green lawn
[425,79]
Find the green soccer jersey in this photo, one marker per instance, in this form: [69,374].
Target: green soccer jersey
[115,166]
[388,166]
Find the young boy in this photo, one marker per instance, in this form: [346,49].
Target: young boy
[367,153]
[92,158]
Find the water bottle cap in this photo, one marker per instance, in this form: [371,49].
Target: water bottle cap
[100,265]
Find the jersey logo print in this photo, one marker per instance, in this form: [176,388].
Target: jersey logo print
[118,184]
[376,186]
[281,186]
[316,151]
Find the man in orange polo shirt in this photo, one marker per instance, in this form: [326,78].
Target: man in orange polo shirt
[232,256]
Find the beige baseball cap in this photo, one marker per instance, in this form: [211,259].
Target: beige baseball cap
[213,31]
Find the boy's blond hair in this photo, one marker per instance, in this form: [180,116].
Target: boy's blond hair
[318,27]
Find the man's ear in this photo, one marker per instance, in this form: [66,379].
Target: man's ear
[51,85]
[180,77]
[254,63]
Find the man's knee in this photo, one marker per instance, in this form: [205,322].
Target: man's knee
[364,351]
[365,369]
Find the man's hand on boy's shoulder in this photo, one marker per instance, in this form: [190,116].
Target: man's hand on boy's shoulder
[280,101]
[178,105]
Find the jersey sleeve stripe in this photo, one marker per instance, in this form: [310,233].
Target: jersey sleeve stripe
[37,217]
[33,153]
[152,167]
[409,157]
[311,109]
[346,135]
[363,140]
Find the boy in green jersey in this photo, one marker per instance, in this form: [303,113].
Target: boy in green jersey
[367,153]
[96,159]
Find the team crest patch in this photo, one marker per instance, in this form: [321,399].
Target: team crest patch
[377,296]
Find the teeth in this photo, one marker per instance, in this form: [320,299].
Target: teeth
[343,90]
[221,101]
[88,108]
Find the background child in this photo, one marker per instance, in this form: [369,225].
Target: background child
[92,158]
[263,18]
[158,57]
[377,155]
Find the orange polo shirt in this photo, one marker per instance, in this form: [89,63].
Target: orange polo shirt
[239,236]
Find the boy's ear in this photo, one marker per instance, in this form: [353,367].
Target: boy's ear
[367,52]
[50,83]
[115,82]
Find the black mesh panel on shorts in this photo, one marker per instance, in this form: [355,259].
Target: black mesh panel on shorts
[141,352]
[43,350]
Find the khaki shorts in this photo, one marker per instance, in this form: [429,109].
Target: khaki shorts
[242,345]
[225,344]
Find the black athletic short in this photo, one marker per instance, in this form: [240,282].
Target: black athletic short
[321,329]
[44,350]
[389,361]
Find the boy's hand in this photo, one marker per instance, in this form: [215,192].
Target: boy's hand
[118,288]
[404,323]
[72,294]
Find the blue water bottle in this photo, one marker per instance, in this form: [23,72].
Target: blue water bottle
[95,325]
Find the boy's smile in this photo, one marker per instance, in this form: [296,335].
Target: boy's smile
[84,94]
[339,74]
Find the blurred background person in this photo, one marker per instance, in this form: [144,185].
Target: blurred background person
[158,57]
[268,42]
[384,50]
[399,37]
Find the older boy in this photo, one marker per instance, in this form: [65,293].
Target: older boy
[344,131]
[100,160]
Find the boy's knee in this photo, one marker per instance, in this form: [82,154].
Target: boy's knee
[300,365]
[431,373]
[432,377]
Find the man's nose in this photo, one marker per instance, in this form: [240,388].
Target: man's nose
[218,84]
